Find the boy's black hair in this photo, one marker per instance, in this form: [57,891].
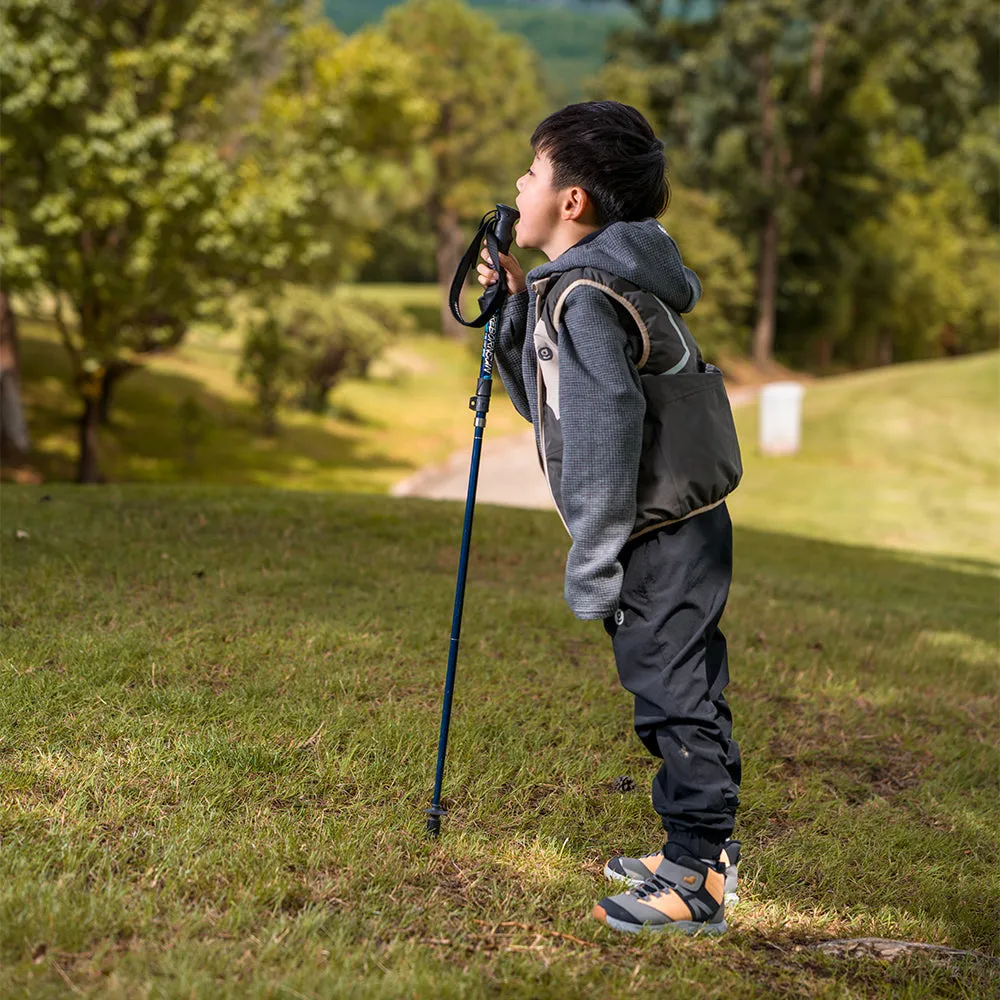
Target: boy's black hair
[610,150]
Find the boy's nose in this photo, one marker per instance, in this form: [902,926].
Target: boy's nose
[519,183]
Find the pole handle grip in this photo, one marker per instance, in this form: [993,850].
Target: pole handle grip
[504,226]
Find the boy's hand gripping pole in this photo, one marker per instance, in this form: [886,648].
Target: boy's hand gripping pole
[498,230]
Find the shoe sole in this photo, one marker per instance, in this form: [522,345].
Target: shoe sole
[730,898]
[692,928]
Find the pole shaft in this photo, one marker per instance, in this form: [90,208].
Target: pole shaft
[456,617]
[481,404]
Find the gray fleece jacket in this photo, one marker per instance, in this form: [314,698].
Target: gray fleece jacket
[600,396]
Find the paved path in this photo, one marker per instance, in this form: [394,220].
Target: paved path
[509,473]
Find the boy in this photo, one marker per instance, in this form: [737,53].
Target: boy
[636,439]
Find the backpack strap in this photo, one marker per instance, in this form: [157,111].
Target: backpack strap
[576,281]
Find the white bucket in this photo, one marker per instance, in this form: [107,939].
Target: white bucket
[780,428]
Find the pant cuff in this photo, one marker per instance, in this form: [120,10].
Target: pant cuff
[697,844]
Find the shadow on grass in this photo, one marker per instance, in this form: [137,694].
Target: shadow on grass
[864,691]
[167,427]
[944,590]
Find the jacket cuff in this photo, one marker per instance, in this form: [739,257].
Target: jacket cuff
[593,616]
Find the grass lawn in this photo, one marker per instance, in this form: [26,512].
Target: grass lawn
[218,724]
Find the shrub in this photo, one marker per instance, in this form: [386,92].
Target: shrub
[299,347]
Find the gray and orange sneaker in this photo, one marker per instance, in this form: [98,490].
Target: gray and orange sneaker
[635,871]
[683,896]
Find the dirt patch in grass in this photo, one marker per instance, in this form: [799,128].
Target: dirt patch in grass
[858,771]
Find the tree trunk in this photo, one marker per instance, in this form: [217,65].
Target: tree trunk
[90,428]
[767,264]
[767,290]
[884,347]
[13,426]
[816,54]
[268,401]
[114,373]
[108,384]
[824,352]
[448,252]
[269,422]
[949,341]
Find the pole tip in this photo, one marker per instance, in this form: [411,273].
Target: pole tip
[434,815]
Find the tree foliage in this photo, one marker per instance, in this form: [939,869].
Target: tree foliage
[923,275]
[787,112]
[329,158]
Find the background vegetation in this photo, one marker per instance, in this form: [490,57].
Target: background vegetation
[171,167]
[570,38]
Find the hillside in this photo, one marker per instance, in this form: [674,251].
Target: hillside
[185,415]
[905,457]
[570,39]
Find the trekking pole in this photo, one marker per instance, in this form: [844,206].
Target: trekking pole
[498,229]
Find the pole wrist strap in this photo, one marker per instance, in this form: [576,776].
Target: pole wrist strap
[492,300]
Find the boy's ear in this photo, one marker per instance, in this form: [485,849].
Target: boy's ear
[576,205]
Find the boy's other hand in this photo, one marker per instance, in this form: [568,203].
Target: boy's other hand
[515,276]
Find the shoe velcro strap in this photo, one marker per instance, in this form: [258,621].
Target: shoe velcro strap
[680,877]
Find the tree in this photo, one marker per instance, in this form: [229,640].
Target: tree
[922,277]
[268,365]
[910,274]
[149,165]
[487,91]
[109,175]
[330,158]
[753,95]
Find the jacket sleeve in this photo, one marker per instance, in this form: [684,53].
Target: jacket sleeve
[509,349]
[602,406]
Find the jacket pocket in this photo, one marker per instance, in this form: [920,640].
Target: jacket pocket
[690,451]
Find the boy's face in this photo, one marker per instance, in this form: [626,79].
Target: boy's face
[539,204]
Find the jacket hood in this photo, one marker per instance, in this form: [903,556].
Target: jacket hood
[640,252]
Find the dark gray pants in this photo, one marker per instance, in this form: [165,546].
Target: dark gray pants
[671,655]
